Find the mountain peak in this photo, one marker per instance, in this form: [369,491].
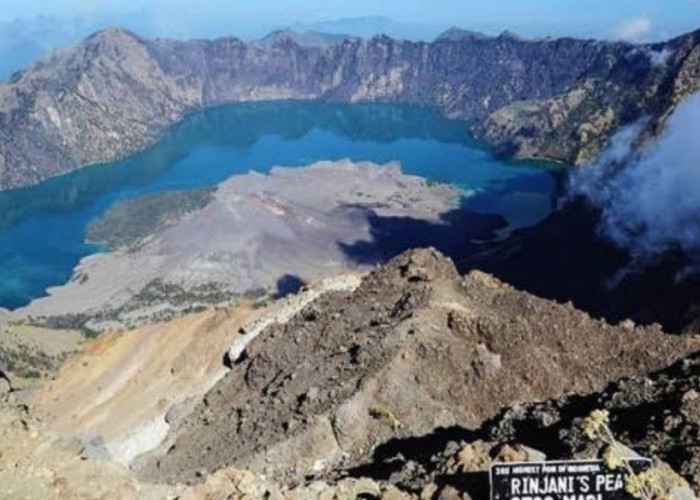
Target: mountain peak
[455,34]
[112,35]
[511,35]
[304,39]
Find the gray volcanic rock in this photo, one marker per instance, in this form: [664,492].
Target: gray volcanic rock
[249,235]
[116,92]
[656,415]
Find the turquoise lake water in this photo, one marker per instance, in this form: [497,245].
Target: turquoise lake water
[42,228]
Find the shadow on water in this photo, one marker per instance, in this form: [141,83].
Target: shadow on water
[460,233]
[287,285]
[457,234]
[565,259]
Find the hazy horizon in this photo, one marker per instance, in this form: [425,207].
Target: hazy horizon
[31,29]
[638,20]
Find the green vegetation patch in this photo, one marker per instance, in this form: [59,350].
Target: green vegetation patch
[159,291]
[158,301]
[129,223]
[30,353]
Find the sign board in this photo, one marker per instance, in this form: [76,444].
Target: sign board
[573,480]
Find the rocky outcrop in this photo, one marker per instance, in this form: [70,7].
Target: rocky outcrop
[234,484]
[116,92]
[414,348]
[408,383]
[656,415]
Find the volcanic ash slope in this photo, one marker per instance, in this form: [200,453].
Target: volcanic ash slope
[257,229]
[415,347]
[124,390]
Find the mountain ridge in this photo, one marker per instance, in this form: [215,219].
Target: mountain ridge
[116,92]
[319,380]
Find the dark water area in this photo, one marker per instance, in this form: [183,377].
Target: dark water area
[459,234]
[43,228]
[565,259]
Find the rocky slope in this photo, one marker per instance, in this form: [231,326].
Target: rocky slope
[405,384]
[116,92]
[38,464]
[656,415]
[415,347]
[449,464]
[123,390]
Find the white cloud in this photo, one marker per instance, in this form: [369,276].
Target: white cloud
[649,197]
[659,57]
[633,30]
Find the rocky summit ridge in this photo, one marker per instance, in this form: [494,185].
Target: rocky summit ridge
[116,92]
[415,347]
[390,386]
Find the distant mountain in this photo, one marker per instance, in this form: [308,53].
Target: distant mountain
[511,34]
[116,92]
[24,41]
[367,27]
[455,34]
[305,39]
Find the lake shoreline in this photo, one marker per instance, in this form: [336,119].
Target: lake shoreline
[304,223]
[43,229]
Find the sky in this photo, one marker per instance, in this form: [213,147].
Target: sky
[626,19]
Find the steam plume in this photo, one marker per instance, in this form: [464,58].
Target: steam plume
[650,199]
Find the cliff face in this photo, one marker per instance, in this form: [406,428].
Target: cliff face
[116,92]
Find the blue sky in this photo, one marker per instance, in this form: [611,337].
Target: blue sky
[640,19]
